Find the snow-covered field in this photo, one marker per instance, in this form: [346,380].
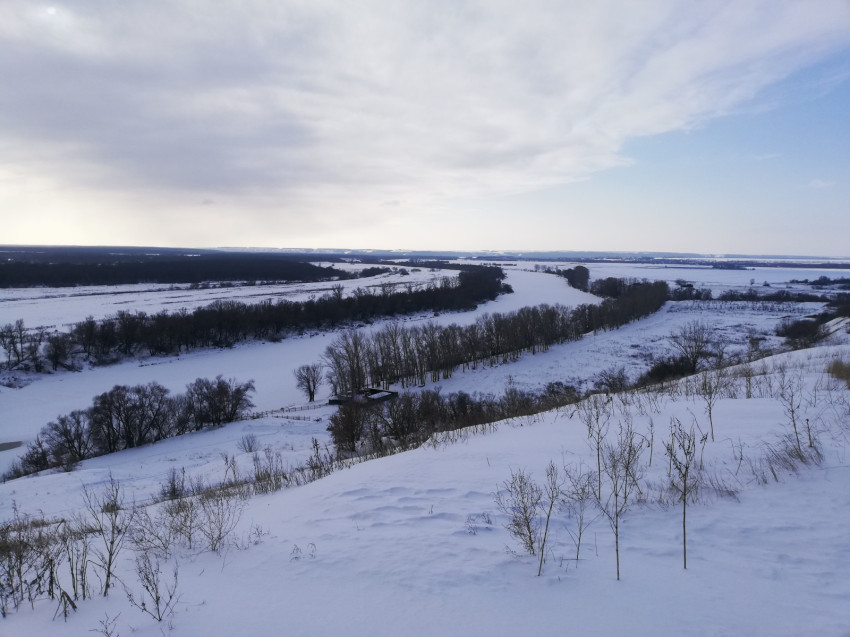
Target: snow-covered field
[414,543]
[717,280]
[60,307]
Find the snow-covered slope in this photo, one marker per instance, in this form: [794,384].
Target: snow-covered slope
[414,544]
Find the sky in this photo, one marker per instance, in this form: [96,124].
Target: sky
[654,125]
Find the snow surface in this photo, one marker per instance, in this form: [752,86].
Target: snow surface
[401,545]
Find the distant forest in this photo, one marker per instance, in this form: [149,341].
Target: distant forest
[68,267]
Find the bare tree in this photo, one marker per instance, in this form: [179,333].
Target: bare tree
[595,412]
[219,401]
[345,359]
[348,425]
[58,349]
[183,518]
[578,494]
[13,339]
[790,396]
[69,438]
[693,341]
[552,493]
[622,469]
[308,378]
[710,387]
[685,478]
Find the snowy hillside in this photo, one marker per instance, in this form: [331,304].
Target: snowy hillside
[415,543]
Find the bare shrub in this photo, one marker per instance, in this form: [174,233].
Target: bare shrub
[320,463]
[154,534]
[27,560]
[595,412]
[475,522]
[269,472]
[714,483]
[348,425]
[519,499]
[219,512]
[175,486]
[107,626]
[248,443]
[693,342]
[784,457]
[840,370]
[183,519]
[75,542]
[790,396]
[158,598]
[109,520]
[612,380]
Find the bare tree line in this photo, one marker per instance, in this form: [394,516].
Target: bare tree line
[414,355]
[127,417]
[413,417]
[224,323]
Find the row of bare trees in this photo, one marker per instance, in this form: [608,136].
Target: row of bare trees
[32,348]
[225,322]
[586,494]
[127,417]
[412,417]
[413,355]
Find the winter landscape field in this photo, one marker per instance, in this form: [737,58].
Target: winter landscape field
[416,542]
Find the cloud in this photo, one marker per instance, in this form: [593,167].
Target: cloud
[323,104]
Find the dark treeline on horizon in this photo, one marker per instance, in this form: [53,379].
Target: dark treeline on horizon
[69,270]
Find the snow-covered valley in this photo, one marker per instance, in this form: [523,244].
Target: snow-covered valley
[414,543]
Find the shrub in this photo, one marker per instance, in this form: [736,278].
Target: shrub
[666,369]
[801,333]
[247,443]
[347,426]
[520,499]
[840,370]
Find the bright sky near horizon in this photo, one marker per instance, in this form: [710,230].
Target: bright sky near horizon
[716,126]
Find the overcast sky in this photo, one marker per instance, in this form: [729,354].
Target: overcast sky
[707,126]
